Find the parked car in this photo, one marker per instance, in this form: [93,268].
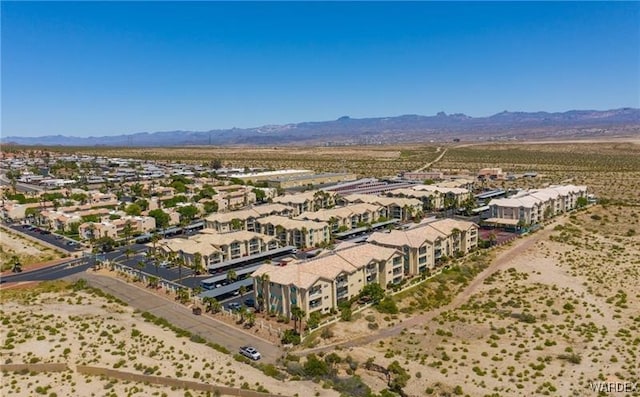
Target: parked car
[250,302]
[250,352]
[234,306]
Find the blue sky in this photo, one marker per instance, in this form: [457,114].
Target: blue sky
[99,68]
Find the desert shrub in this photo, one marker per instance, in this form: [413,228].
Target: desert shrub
[290,337]
[388,306]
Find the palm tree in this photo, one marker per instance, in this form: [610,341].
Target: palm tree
[140,265]
[197,263]
[155,237]
[242,290]
[153,282]
[128,252]
[180,262]
[263,295]
[212,304]
[127,230]
[231,276]
[194,293]
[251,319]
[296,314]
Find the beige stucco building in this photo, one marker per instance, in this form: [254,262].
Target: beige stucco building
[321,283]
[346,217]
[392,207]
[244,219]
[534,206]
[217,247]
[425,245]
[296,232]
[312,200]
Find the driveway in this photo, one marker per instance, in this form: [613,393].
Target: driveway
[213,330]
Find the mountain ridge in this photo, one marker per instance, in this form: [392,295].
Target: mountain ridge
[393,129]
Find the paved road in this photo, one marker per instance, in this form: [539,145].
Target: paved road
[20,187]
[215,331]
[46,273]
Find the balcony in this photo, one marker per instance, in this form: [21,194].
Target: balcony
[370,270]
[315,291]
[397,270]
[341,283]
[342,293]
[315,303]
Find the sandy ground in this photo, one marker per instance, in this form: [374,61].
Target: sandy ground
[79,328]
[553,313]
[27,251]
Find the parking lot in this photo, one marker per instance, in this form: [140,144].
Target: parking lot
[57,240]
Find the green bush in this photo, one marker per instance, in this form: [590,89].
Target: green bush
[387,305]
[290,337]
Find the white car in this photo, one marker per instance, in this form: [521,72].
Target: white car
[250,352]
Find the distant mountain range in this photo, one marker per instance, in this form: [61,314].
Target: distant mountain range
[382,130]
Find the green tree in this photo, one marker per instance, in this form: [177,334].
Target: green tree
[242,290]
[161,217]
[133,209]
[314,320]
[582,202]
[210,207]
[397,377]
[373,291]
[314,367]
[231,276]
[236,224]
[188,212]
[260,194]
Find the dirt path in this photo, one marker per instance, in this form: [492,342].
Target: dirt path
[434,161]
[501,260]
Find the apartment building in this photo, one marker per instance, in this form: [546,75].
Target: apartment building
[345,218]
[61,219]
[321,283]
[116,228]
[534,206]
[215,247]
[300,233]
[312,200]
[439,197]
[392,207]
[233,196]
[244,219]
[424,246]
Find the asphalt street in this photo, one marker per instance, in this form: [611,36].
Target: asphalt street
[214,331]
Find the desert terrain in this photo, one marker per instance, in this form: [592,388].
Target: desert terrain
[62,323]
[551,314]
